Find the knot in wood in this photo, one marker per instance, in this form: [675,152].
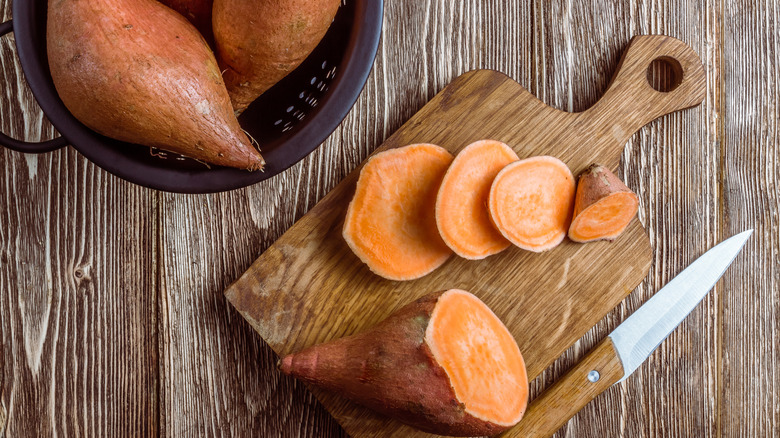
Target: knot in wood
[81,273]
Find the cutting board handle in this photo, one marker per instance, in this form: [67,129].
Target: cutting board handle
[631,101]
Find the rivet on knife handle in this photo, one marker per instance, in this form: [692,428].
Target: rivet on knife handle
[599,370]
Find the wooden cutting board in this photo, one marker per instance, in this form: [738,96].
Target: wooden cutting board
[308,287]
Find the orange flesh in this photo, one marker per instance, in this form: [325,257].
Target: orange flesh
[531,202]
[480,357]
[390,223]
[604,219]
[461,205]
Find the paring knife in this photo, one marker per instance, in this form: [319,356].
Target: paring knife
[630,344]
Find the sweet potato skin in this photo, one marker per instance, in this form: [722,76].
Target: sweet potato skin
[137,71]
[259,42]
[198,12]
[594,184]
[425,400]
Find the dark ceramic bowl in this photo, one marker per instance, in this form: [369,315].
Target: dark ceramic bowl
[289,121]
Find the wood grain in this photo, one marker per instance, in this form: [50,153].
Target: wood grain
[308,287]
[553,408]
[217,379]
[702,175]
[77,320]
[749,336]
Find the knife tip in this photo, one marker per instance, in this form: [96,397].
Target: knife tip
[741,238]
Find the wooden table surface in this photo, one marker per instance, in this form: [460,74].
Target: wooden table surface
[112,315]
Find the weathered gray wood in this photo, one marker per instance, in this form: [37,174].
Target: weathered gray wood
[144,342]
[77,286]
[749,335]
[217,378]
[658,163]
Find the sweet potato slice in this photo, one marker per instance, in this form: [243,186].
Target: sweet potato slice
[390,223]
[445,364]
[531,202]
[461,204]
[603,206]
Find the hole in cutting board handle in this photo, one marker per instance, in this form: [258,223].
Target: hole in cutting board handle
[665,74]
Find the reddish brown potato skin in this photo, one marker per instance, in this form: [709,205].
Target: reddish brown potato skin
[198,12]
[596,183]
[137,71]
[259,42]
[391,370]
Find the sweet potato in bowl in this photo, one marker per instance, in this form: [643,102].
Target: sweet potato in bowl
[342,63]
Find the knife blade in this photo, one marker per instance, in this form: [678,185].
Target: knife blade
[630,344]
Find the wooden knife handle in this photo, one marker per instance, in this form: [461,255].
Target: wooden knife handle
[551,410]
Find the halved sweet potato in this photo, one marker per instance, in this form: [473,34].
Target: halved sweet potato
[445,364]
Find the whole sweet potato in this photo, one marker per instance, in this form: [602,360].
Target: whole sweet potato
[198,12]
[137,71]
[259,42]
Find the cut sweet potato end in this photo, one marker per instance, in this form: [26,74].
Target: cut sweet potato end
[531,202]
[461,212]
[605,219]
[390,223]
[480,357]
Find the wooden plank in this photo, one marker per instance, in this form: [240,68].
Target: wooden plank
[657,164]
[563,51]
[77,285]
[78,321]
[259,400]
[749,336]
[308,287]
[217,378]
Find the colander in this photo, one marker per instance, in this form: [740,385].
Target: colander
[289,121]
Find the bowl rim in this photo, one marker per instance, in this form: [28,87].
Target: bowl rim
[331,111]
